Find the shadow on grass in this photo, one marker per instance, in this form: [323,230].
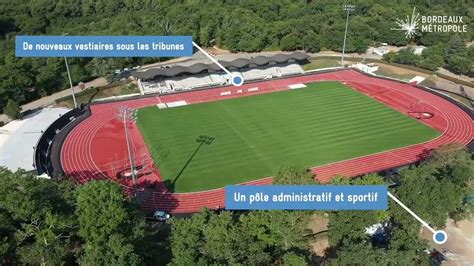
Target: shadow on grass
[202,140]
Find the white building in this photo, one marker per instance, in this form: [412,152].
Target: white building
[381,51]
[368,68]
[418,49]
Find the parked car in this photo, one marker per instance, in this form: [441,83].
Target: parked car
[161,216]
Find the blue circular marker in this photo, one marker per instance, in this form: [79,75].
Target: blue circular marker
[237,80]
[440,237]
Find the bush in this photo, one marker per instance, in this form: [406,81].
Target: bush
[459,64]
[290,42]
[12,110]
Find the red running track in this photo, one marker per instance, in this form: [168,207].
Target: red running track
[96,148]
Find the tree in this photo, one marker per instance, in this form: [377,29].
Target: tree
[106,223]
[447,172]
[37,223]
[455,46]
[290,42]
[470,52]
[358,253]
[420,191]
[255,238]
[282,231]
[209,238]
[406,56]
[390,56]
[405,247]
[222,240]
[12,110]
[350,225]
[293,259]
[48,77]
[100,210]
[186,238]
[453,162]
[404,250]
[17,76]
[432,58]
[311,43]
[459,64]
[117,251]
[238,26]
[294,176]
[347,232]
[434,38]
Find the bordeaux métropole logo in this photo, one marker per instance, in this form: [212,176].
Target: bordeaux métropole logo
[416,23]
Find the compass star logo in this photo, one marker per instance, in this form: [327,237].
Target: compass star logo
[409,25]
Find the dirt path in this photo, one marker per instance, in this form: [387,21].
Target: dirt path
[217,50]
[460,242]
[319,223]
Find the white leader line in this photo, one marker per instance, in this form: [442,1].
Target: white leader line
[212,58]
[425,224]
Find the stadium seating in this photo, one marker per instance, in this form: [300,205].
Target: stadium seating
[158,87]
[217,79]
[258,73]
[291,69]
[189,82]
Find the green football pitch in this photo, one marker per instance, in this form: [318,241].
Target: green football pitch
[210,145]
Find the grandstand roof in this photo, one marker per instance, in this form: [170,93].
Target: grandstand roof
[237,63]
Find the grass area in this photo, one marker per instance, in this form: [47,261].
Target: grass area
[102,93]
[253,137]
[321,63]
[428,82]
[387,72]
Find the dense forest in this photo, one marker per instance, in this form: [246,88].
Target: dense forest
[245,25]
[56,222]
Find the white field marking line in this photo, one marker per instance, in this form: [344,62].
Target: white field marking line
[212,58]
[425,224]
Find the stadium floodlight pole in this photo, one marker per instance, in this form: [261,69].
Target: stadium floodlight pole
[70,83]
[348,9]
[128,115]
